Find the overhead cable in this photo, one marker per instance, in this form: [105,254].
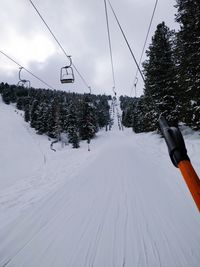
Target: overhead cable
[61,47]
[110,46]
[145,42]
[49,86]
[126,40]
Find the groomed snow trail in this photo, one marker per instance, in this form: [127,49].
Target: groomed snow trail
[127,206]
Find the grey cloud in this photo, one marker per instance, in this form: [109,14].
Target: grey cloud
[80,26]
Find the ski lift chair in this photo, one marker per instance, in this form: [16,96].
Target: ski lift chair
[23,82]
[67,73]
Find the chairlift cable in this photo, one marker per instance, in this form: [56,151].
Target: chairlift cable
[126,40]
[145,42]
[110,46]
[49,86]
[61,47]
[138,67]
[49,28]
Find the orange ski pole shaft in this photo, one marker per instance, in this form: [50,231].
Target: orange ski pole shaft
[178,154]
[191,179]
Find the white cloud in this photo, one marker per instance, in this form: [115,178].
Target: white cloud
[24,50]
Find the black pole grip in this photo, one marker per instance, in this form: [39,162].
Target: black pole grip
[175,142]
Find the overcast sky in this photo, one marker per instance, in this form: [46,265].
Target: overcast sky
[80,27]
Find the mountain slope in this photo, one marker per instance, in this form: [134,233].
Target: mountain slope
[121,204]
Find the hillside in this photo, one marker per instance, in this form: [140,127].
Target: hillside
[121,204]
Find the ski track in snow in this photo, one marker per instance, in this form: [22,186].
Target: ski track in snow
[120,205]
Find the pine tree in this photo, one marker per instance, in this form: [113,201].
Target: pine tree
[26,108]
[87,121]
[34,113]
[64,111]
[128,106]
[102,112]
[73,133]
[160,78]
[6,93]
[42,118]
[142,115]
[20,103]
[27,112]
[188,60]
[53,121]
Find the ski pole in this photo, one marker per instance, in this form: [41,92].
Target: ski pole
[178,154]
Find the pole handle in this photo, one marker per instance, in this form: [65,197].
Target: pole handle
[175,142]
[178,154]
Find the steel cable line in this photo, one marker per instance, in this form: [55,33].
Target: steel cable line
[156,106]
[145,42]
[49,86]
[126,40]
[110,46]
[61,47]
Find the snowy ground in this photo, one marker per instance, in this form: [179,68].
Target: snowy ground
[121,204]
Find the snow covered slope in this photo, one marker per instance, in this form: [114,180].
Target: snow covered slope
[121,204]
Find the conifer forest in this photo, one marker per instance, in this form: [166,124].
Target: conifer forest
[55,112]
[172,75]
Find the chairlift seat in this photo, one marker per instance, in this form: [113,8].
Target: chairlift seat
[68,80]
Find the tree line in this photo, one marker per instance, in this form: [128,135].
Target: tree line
[53,113]
[172,75]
